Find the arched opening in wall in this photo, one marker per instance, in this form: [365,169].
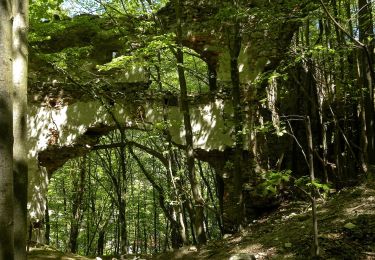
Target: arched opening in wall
[131,198]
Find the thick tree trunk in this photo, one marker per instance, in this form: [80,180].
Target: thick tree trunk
[6,135]
[20,171]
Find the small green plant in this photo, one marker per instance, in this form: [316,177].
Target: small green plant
[273,182]
[229,166]
[307,185]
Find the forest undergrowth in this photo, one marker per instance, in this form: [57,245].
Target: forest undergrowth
[346,231]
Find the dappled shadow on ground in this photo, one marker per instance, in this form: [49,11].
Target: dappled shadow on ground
[50,253]
[346,228]
[346,231]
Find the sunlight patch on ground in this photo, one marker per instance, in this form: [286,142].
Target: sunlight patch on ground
[249,248]
[363,207]
[258,250]
[47,252]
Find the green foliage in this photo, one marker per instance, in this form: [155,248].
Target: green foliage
[229,166]
[142,56]
[230,13]
[274,75]
[120,63]
[100,206]
[316,55]
[44,9]
[266,127]
[67,58]
[272,182]
[305,183]
[43,32]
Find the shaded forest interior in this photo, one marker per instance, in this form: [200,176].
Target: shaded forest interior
[160,125]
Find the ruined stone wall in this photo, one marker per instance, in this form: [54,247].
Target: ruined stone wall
[57,133]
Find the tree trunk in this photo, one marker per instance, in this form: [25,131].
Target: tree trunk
[365,26]
[48,225]
[6,135]
[155,224]
[184,106]
[137,238]
[100,247]
[77,209]
[122,193]
[177,209]
[211,196]
[223,164]
[20,171]
[237,209]
[212,76]
[312,179]
[174,212]
[57,232]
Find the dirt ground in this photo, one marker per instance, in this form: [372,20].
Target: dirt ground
[346,231]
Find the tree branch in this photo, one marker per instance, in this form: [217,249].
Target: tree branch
[139,146]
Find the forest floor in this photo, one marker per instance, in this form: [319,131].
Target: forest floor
[47,252]
[346,231]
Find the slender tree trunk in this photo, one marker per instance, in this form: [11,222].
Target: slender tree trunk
[236,211]
[119,185]
[123,231]
[312,179]
[212,76]
[211,196]
[365,26]
[6,134]
[77,209]
[166,235]
[117,234]
[48,225]
[145,240]
[198,200]
[173,213]
[20,171]
[57,232]
[91,212]
[100,247]
[156,218]
[178,215]
[121,194]
[137,238]
[177,210]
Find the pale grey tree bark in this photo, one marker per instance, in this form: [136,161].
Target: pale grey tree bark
[20,171]
[6,135]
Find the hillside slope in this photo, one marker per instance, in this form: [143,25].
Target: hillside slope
[346,228]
